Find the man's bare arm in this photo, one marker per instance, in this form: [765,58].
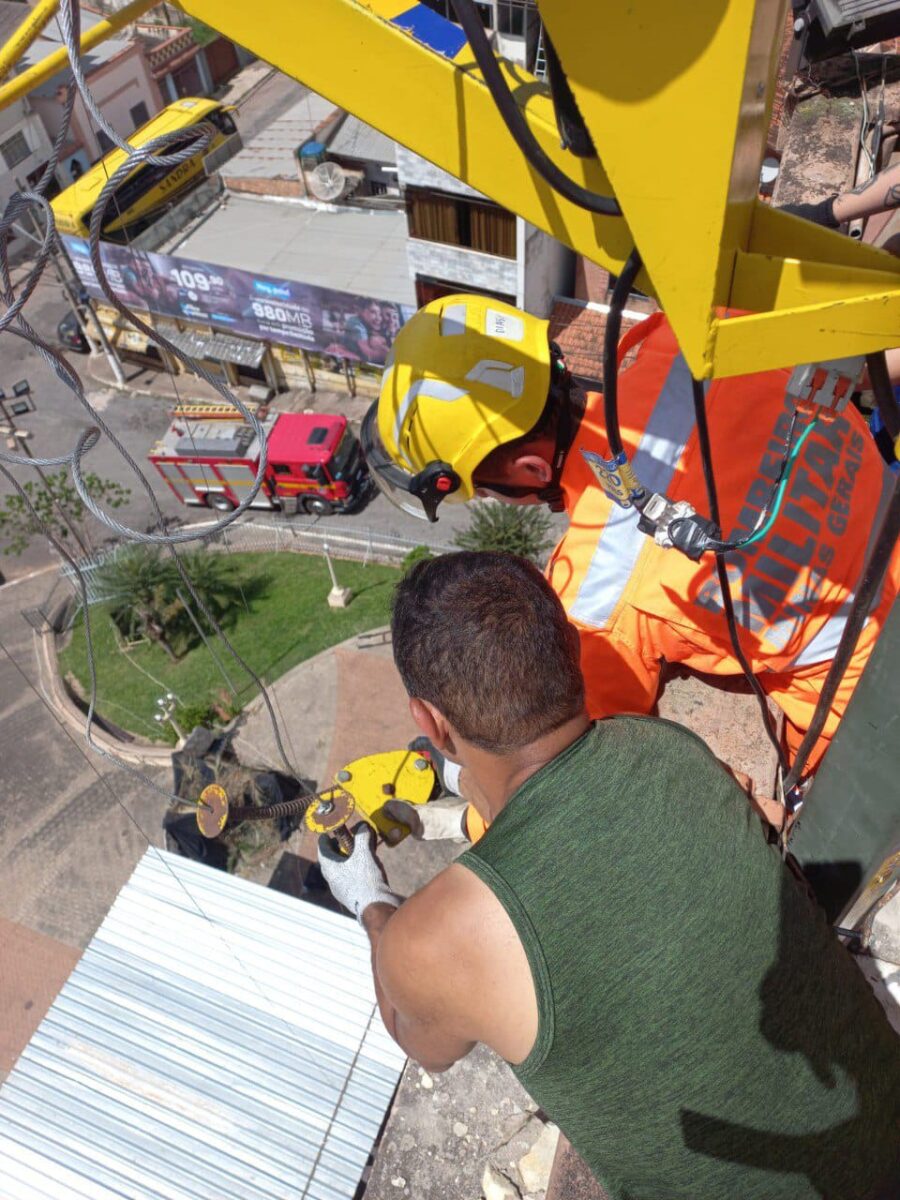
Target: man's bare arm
[875,196]
[412,990]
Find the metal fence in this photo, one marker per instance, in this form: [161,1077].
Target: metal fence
[363,546]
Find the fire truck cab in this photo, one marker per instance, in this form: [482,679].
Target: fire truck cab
[314,463]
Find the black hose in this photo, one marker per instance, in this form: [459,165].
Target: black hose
[721,570]
[467,16]
[888,409]
[872,575]
[620,295]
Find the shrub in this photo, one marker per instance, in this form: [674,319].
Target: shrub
[416,555]
[517,529]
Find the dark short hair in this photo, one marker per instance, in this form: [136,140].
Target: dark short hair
[484,638]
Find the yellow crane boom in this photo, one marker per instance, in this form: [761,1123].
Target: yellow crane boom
[677,100]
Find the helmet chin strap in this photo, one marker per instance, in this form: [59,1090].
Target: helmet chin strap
[566,428]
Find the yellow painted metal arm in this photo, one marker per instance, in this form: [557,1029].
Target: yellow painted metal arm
[32,25]
[22,84]
[437,106]
[677,99]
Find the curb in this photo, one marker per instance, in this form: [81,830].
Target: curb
[70,714]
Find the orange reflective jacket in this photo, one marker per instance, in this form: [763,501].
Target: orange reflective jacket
[636,604]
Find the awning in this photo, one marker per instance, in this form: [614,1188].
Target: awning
[222,346]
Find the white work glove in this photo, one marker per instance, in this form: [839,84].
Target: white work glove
[356,879]
[439,820]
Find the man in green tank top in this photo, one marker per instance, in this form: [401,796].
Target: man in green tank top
[622,935]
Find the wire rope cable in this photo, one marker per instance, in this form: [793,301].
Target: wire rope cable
[14,322]
[618,300]
[699,393]
[864,599]
[468,18]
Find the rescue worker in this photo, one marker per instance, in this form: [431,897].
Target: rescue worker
[621,935]
[476,401]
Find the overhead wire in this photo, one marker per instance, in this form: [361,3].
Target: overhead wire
[864,599]
[618,300]
[769,512]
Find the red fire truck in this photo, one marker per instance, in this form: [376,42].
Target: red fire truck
[314,462]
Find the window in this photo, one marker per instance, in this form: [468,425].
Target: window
[457,221]
[222,121]
[14,150]
[444,8]
[317,435]
[139,115]
[428,289]
[104,140]
[142,181]
[281,469]
[511,17]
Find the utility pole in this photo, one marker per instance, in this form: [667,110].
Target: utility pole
[59,249]
[107,346]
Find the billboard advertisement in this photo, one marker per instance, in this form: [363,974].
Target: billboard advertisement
[256,306]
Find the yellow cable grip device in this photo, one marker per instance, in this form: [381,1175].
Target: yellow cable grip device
[375,780]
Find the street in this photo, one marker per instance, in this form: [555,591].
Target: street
[71,825]
[138,420]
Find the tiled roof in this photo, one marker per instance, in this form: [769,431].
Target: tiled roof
[579,330]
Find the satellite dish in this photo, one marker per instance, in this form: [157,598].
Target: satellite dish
[327,181]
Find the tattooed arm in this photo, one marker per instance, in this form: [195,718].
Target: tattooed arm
[876,195]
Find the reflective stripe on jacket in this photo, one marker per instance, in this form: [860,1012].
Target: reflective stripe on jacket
[636,604]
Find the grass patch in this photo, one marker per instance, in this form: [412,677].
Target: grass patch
[286,621]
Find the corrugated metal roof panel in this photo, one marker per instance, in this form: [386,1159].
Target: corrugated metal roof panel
[217,1039]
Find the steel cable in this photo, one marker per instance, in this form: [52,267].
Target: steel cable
[14,322]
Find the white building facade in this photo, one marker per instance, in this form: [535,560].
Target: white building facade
[460,241]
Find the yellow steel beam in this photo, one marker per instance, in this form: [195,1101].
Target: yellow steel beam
[438,107]
[677,99]
[785,236]
[18,87]
[763,282]
[784,337]
[29,29]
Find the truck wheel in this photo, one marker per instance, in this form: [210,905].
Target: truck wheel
[219,502]
[318,507]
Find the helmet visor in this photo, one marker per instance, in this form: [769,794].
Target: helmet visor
[392,480]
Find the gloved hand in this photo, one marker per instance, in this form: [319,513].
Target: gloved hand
[356,879]
[439,820]
[447,772]
[821,213]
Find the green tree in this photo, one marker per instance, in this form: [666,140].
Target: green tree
[147,595]
[518,529]
[203,35]
[60,509]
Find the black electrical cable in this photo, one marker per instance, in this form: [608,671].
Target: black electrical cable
[467,16]
[869,584]
[620,295]
[888,409]
[724,582]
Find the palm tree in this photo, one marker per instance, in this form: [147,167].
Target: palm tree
[141,585]
[148,595]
